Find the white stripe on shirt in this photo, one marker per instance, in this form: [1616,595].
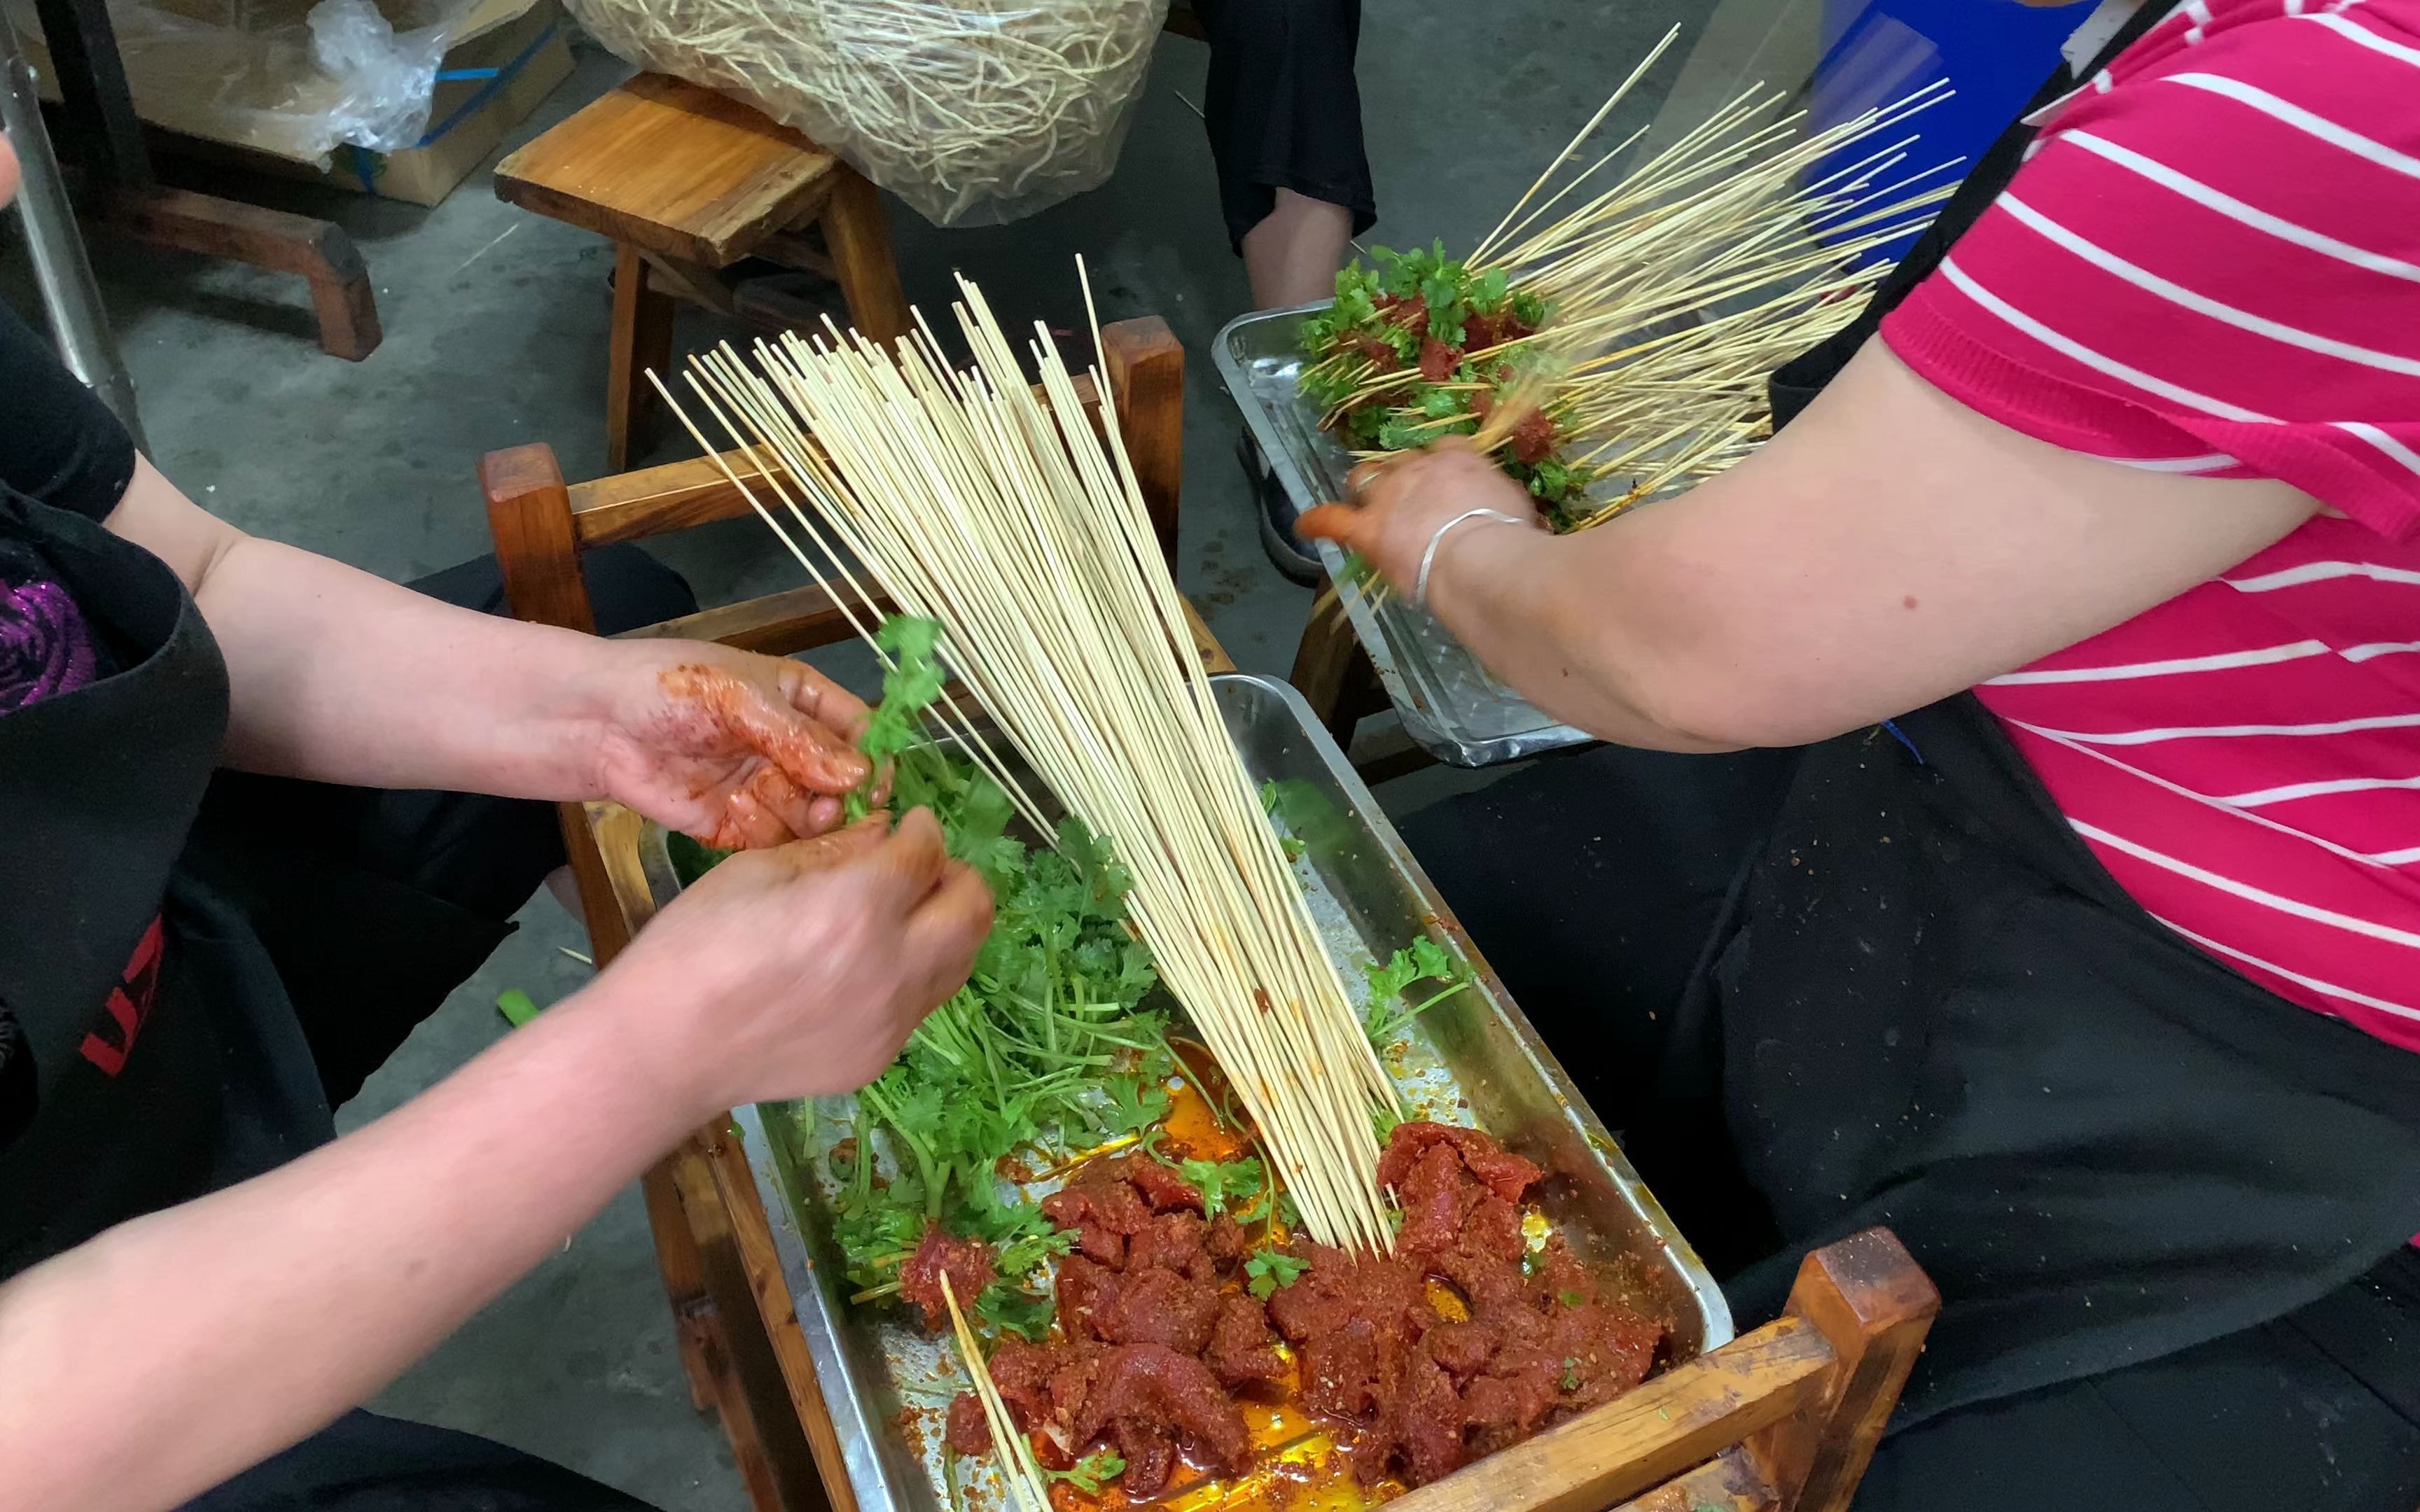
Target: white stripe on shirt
[2219,661]
[2369,39]
[2312,572]
[2237,211]
[2385,934]
[2289,113]
[2175,293]
[2292,791]
[2237,732]
[2324,989]
[2076,349]
[2380,648]
[2381,439]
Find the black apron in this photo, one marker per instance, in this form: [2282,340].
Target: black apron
[167,1060]
[1936,1011]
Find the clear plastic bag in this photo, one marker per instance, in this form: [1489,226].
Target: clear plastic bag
[296,78]
[975,112]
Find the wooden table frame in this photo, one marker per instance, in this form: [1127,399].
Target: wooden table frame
[1785,1417]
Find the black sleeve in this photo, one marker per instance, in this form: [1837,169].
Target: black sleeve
[59,442]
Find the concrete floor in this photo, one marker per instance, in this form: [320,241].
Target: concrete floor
[496,323]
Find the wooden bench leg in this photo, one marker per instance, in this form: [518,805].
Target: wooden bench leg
[341,297]
[642,339]
[1332,671]
[859,238]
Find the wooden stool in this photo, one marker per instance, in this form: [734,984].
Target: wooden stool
[686,183]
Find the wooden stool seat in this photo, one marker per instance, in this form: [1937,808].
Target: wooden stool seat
[686,183]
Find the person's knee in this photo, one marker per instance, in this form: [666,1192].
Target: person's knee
[628,588]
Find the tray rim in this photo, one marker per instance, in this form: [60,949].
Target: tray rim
[855,1419]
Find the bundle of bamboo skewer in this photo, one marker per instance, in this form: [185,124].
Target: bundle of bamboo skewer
[1674,289]
[1009,520]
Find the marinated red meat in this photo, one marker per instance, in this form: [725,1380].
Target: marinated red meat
[1242,1348]
[1484,1280]
[1479,332]
[1420,1430]
[1173,1241]
[1437,360]
[1533,441]
[1437,1195]
[1166,1191]
[1150,1454]
[1337,1288]
[1461,1348]
[1501,1172]
[968,1431]
[1378,353]
[1494,1229]
[1342,1369]
[1071,1383]
[1608,1349]
[1103,1199]
[968,1264]
[1154,1384]
[1088,1297]
[1559,1274]
[1500,1410]
[1021,1374]
[1159,1306]
[1411,314]
[1104,1246]
[1226,1242]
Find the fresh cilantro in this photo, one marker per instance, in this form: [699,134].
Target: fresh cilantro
[1012,1309]
[1571,1374]
[909,685]
[1570,1299]
[1269,797]
[1293,848]
[1134,1105]
[1222,1182]
[1384,1121]
[516,1006]
[1092,1472]
[1271,1269]
[1528,309]
[691,858]
[1423,960]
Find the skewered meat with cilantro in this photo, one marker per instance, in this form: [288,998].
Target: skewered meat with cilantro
[1463,333]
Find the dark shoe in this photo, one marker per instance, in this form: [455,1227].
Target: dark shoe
[1278,511]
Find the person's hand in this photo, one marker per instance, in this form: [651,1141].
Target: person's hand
[800,969]
[1400,502]
[737,750]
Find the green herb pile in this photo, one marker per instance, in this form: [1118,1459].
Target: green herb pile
[1426,311]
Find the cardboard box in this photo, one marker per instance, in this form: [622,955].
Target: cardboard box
[487,86]
[254,99]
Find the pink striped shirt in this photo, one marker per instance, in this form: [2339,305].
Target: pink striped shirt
[2211,264]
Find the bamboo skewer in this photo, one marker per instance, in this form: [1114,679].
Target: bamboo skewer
[1017,1465]
[1675,288]
[1008,520]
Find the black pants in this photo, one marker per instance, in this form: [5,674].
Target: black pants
[363,1462]
[1282,108]
[1591,883]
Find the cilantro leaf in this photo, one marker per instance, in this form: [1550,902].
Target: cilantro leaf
[1012,1309]
[1091,1471]
[1272,1269]
[1222,1182]
[1134,1105]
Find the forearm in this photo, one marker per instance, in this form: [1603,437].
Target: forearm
[1557,621]
[179,1348]
[344,677]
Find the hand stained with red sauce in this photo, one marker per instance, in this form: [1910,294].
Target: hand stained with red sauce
[802,758]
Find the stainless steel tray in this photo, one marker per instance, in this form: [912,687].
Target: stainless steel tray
[1456,709]
[1472,1058]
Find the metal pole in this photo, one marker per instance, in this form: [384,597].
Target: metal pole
[70,298]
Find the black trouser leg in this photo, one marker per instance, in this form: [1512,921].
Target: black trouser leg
[2318,1412]
[363,1462]
[1282,108]
[376,905]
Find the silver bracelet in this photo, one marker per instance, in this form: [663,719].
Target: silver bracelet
[1428,558]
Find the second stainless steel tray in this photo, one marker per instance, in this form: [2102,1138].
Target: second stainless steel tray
[1473,1059]
[1456,709]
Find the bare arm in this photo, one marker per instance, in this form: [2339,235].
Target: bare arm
[1887,549]
[147,1365]
[344,677]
